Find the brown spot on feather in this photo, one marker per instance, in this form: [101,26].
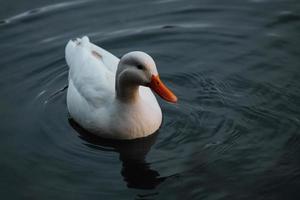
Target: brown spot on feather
[96,54]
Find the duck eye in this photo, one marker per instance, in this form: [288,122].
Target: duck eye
[140,66]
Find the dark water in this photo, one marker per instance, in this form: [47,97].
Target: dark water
[233,135]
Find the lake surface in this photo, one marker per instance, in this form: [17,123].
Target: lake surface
[234,134]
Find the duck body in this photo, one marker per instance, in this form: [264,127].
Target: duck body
[100,101]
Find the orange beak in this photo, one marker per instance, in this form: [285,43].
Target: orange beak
[157,86]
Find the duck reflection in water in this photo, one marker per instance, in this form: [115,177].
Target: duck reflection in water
[135,170]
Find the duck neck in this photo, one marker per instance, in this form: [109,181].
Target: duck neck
[125,91]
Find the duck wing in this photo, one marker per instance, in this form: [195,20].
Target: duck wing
[92,71]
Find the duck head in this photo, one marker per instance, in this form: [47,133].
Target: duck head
[138,68]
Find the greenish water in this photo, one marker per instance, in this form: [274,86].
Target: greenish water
[234,134]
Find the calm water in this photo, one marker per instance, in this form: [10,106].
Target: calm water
[233,135]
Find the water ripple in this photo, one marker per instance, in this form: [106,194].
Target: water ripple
[36,13]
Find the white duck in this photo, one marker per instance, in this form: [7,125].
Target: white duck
[111,97]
